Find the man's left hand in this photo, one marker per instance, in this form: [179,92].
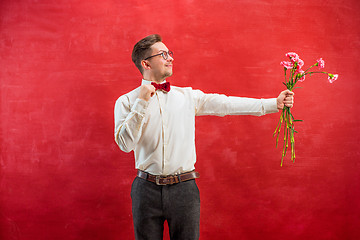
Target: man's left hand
[286,98]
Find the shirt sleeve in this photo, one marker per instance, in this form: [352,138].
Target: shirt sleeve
[129,122]
[221,105]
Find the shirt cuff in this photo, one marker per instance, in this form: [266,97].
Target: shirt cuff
[140,106]
[270,105]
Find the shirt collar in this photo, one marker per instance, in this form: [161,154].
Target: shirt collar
[146,82]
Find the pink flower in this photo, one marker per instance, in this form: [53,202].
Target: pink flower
[320,63]
[300,75]
[300,63]
[287,65]
[293,56]
[332,77]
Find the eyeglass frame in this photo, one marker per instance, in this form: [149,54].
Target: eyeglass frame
[168,53]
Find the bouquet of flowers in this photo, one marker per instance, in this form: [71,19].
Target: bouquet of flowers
[296,74]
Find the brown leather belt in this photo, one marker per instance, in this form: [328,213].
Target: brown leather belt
[168,180]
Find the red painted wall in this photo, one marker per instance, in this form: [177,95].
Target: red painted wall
[64,63]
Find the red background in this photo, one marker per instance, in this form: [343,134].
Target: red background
[64,63]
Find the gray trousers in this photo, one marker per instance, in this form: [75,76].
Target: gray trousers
[178,204]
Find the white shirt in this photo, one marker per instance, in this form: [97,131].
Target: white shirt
[161,131]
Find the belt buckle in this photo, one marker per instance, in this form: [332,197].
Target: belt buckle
[157,180]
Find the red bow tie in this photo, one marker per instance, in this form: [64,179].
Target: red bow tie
[164,86]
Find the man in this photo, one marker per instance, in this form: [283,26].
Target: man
[159,126]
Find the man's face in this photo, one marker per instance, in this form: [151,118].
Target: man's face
[160,68]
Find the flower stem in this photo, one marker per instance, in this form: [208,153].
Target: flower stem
[311,67]
[315,72]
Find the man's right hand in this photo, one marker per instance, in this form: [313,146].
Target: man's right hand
[146,92]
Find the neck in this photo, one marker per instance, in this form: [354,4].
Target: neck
[147,77]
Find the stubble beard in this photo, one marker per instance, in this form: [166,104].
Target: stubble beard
[167,74]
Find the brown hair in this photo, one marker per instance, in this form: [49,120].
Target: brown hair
[143,48]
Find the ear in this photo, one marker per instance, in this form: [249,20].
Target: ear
[145,64]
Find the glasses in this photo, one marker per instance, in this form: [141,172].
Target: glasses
[165,55]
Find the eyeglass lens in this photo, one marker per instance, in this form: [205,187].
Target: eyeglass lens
[166,54]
